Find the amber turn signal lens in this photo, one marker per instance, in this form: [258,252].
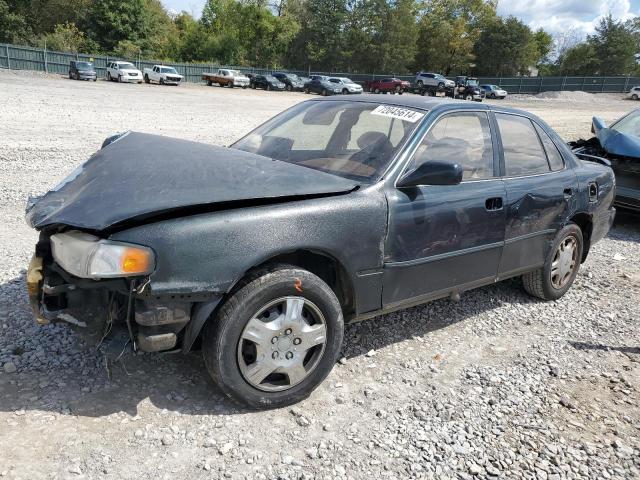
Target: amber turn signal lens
[135,260]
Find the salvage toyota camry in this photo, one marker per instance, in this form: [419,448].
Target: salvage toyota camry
[335,210]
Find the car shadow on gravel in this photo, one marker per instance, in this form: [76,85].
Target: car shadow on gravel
[606,348]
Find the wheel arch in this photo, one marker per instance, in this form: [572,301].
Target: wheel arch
[326,266]
[585,222]
[323,264]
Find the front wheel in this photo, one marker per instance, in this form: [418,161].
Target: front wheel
[109,76]
[119,78]
[162,81]
[146,79]
[276,339]
[634,97]
[560,267]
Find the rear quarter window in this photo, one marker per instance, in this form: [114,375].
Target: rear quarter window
[553,154]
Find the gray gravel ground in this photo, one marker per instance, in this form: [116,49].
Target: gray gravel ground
[498,385]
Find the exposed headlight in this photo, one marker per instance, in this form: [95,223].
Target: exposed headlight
[87,256]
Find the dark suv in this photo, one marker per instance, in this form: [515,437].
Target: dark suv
[291,80]
[82,71]
[268,82]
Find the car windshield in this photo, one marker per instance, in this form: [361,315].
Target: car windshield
[84,66]
[495,87]
[354,140]
[168,70]
[345,80]
[629,125]
[126,66]
[472,83]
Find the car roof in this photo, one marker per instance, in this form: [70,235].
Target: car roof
[423,103]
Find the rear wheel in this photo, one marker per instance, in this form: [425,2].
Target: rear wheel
[275,340]
[468,97]
[289,88]
[634,96]
[560,268]
[109,76]
[209,83]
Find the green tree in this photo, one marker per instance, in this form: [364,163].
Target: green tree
[614,44]
[66,38]
[506,47]
[448,31]
[14,27]
[113,21]
[581,59]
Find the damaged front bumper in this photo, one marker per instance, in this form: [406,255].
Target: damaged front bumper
[100,310]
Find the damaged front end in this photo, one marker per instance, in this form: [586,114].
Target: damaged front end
[99,287]
[618,147]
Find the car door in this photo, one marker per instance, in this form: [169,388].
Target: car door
[443,238]
[541,192]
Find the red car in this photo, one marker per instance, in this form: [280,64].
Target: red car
[385,85]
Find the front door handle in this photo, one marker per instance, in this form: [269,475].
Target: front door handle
[493,203]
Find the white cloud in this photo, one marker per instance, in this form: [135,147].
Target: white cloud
[556,17]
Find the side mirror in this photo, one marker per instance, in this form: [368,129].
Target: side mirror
[597,124]
[432,173]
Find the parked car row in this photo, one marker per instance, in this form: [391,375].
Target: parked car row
[425,83]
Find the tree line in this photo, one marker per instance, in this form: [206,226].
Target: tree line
[359,36]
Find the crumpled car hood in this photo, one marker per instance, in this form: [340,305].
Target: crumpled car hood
[617,143]
[140,176]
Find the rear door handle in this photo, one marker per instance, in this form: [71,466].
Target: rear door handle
[494,203]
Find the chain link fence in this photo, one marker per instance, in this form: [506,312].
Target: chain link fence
[40,59]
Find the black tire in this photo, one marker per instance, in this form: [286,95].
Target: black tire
[119,78]
[222,335]
[162,81]
[345,91]
[109,76]
[209,83]
[325,92]
[376,90]
[70,76]
[306,90]
[95,79]
[146,78]
[538,283]
[420,83]
[634,97]
[289,88]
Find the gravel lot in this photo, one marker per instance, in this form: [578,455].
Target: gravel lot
[498,385]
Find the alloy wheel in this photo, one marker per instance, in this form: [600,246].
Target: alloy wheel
[282,344]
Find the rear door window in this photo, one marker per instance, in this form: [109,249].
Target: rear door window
[523,153]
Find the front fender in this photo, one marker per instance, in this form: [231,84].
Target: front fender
[208,253]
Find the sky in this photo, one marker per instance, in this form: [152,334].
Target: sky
[578,17]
